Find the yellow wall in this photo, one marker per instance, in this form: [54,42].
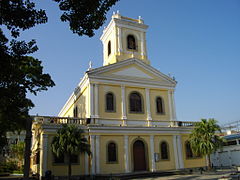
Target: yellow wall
[193,162]
[62,169]
[103,90]
[136,116]
[165,164]
[164,95]
[105,167]
[82,102]
[126,53]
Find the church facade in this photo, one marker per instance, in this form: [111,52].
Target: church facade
[127,110]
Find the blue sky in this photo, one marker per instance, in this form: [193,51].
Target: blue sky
[196,41]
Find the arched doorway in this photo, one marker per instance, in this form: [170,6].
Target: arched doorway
[139,156]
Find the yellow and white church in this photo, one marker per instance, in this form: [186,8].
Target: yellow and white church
[127,110]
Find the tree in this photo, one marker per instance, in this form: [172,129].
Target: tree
[17,152]
[19,72]
[204,140]
[69,141]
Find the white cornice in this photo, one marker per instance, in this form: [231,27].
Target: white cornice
[145,66]
[74,95]
[138,130]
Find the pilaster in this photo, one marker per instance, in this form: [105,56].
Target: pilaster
[97,155]
[126,158]
[124,116]
[149,117]
[44,158]
[93,159]
[153,168]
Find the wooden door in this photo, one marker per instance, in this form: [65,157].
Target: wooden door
[139,157]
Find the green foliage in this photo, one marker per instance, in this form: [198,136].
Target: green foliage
[17,151]
[69,141]
[204,139]
[8,167]
[19,72]
[84,16]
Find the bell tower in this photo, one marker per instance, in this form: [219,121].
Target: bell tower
[124,38]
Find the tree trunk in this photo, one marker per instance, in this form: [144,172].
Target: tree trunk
[27,152]
[69,167]
[209,162]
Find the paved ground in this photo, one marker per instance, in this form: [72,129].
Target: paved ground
[197,176]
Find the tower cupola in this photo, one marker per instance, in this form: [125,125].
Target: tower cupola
[124,38]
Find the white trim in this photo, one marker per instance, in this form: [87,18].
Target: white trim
[126,156]
[93,159]
[91,100]
[44,155]
[149,117]
[127,62]
[96,101]
[73,96]
[123,102]
[180,151]
[175,149]
[152,153]
[170,105]
[97,155]
[174,107]
[133,83]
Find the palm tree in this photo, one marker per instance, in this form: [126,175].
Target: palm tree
[203,139]
[69,141]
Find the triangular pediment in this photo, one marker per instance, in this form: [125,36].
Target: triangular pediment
[132,70]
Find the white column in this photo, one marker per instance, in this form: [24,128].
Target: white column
[91,91]
[170,105]
[96,101]
[86,160]
[152,153]
[173,107]
[97,155]
[119,40]
[44,158]
[126,158]
[142,44]
[149,117]
[93,159]
[180,152]
[124,116]
[175,148]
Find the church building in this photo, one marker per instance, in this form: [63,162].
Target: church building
[126,108]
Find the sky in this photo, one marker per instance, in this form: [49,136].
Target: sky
[198,42]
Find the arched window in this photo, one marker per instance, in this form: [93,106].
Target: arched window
[164,151]
[189,153]
[109,48]
[135,101]
[159,105]
[110,102]
[75,112]
[111,152]
[131,42]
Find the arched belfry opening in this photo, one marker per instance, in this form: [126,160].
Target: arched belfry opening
[123,39]
[139,156]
